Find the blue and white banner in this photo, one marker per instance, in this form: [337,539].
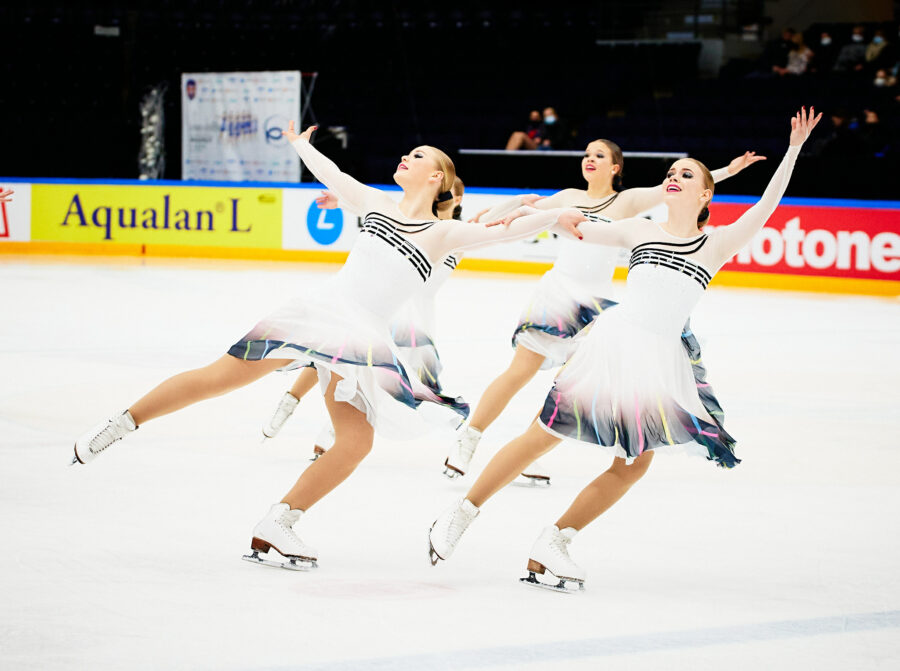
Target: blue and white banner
[232,123]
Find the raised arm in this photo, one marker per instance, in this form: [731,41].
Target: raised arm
[641,199]
[728,240]
[355,195]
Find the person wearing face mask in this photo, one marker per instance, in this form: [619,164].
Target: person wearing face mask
[342,327]
[568,296]
[412,330]
[530,138]
[554,133]
[629,387]
[852,56]
[875,50]
[825,53]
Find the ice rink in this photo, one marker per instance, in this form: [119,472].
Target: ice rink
[789,561]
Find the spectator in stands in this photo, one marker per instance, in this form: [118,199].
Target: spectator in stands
[797,60]
[852,56]
[531,137]
[875,52]
[825,54]
[776,52]
[555,134]
[875,136]
[842,142]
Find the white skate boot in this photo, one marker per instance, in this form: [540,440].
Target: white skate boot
[448,529]
[457,462]
[533,476]
[549,559]
[285,409]
[102,436]
[324,442]
[275,532]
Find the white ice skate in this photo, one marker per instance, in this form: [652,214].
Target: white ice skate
[275,532]
[533,476]
[324,442]
[457,462]
[285,409]
[102,436]
[549,564]
[448,529]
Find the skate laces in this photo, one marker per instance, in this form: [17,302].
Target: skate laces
[459,522]
[559,544]
[107,436]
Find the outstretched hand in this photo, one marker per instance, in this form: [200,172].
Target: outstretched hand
[531,198]
[6,195]
[508,219]
[802,125]
[741,162]
[477,218]
[569,221]
[327,201]
[291,134]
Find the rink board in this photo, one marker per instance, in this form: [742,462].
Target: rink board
[835,246]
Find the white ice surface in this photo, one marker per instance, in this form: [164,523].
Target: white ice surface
[790,561]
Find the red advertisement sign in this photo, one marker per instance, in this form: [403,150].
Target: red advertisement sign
[819,241]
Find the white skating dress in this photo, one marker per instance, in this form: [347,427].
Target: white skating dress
[578,286]
[630,384]
[343,326]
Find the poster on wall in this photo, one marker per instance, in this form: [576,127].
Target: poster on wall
[231,126]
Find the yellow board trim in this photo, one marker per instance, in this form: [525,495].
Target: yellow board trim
[729,278]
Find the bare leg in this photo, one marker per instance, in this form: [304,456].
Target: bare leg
[353,441]
[223,375]
[520,140]
[603,492]
[523,367]
[307,379]
[511,460]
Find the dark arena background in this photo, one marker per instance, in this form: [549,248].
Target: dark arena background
[152,212]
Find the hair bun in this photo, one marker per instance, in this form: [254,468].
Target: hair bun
[703,216]
[444,196]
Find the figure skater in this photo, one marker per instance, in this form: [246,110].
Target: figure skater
[411,330]
[343,329]
[629,385]
[570,294]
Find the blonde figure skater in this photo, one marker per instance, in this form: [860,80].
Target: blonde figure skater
[570,294]
[629,385]
[412,331]
[343,328]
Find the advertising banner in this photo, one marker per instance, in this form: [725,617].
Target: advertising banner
[162,215]
[232,123]
[15,216]
[820,241]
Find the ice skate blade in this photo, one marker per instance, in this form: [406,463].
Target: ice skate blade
[451,471]
[433,556]
[534,481]
[292,563]
[317,452]
[564,585]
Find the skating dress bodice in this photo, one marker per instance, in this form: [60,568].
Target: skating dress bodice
[591,266]
[384,268]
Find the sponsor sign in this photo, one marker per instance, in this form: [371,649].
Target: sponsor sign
[15,216]
[232,123]
[820,241]
[163,215]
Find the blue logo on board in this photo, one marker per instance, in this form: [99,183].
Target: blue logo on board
[324,226]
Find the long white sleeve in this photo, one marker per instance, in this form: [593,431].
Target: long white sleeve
[462,237]
[728,240]
[356,196]
[620,233]
[500,210]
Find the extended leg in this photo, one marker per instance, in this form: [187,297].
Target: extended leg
[223,375]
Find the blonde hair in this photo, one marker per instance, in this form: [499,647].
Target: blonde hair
[709,183]
[445,165]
